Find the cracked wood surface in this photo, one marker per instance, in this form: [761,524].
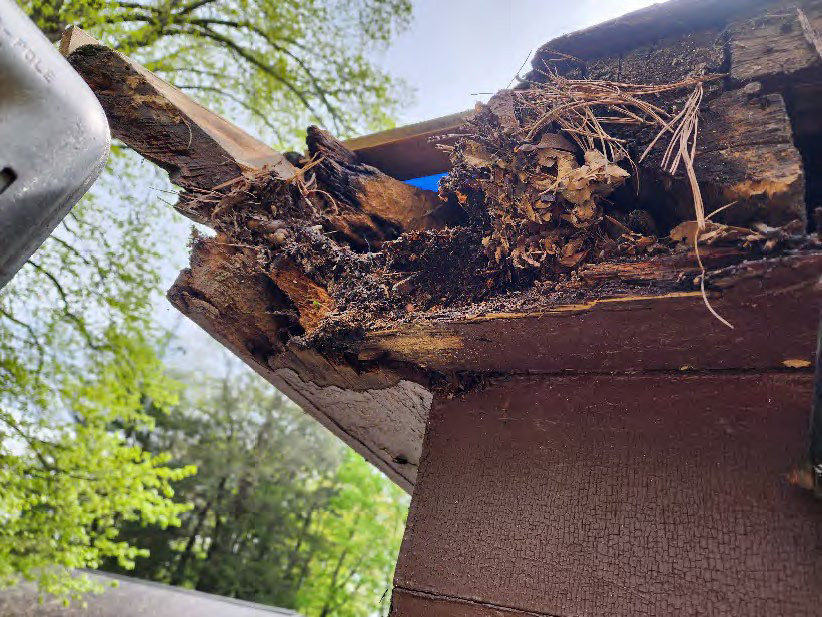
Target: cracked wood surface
[411,603]
[387,206]
[198,148]
[653,494]
[745,150]
[377,413]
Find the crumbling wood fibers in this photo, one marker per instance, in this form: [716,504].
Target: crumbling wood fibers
[531,204]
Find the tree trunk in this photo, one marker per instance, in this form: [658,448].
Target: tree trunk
[205,579]
[182,562]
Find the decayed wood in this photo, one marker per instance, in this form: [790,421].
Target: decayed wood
[310,299]
[252,311]
[746,149]
[199,149]
[779,48]
[773,305]
[388,206]
[774,46]
[764,38]
[643,27]
[652,481]
[765,41]
[657,61]
[379,413]
[633,496]
[378,402]
[746,155]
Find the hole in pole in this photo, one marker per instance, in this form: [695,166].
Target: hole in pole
[7,177]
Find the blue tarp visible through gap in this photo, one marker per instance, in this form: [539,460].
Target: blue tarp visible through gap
[426,182]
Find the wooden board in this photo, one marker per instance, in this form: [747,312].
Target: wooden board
[410,151]
[775,47]
[198,131]
[774,306]
[644,27]
[379,413]
[615,496]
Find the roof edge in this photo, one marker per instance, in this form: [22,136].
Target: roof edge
[644,26]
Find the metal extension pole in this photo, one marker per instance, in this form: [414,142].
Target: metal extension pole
[54,138]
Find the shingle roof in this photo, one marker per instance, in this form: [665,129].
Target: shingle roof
[135,598]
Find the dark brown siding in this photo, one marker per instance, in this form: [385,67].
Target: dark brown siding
[616,495]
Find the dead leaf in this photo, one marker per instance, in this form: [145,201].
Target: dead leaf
[476,155]
[573,246]
[586,211]
[528,259]
[573,260]
[557,142]
[685,232]
[525,206]
[594,159]
[796,363]
[713,233]
[547,158]
[645,242]
[502,106]
[565,165]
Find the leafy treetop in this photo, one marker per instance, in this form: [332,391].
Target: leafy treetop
[281,65]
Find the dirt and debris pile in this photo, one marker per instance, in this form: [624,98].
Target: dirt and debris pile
[542,208]
[543,185]
[536,167]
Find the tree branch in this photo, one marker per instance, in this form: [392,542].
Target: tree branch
[41,352]
[193,6]
[90,263]
[319,90]
[249,57]
[66,310]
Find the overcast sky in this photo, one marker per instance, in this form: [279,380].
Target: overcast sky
[457,47]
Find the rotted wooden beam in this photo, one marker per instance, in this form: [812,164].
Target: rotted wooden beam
[198,148]
[250,309]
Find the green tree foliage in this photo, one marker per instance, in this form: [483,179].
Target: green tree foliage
[282,64]
[78,369]
[282,515]
[351,570]
[81,381]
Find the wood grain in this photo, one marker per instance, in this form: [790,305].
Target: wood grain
[773,304]
[199,148]
[615,496]
[410,151]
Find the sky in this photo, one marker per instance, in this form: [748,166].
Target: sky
[458,47]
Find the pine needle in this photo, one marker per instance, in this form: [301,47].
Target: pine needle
[702,283]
